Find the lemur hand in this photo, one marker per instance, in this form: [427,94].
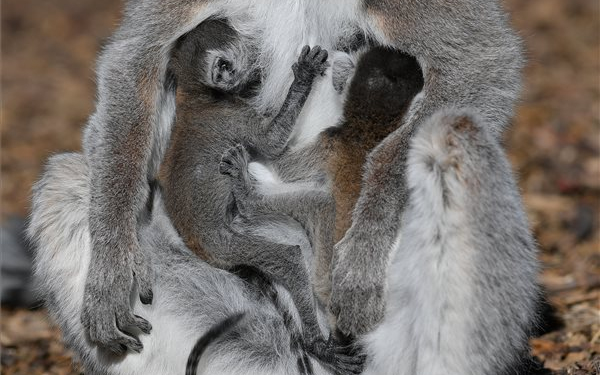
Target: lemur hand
[358,287]
[107,312]
[311,62]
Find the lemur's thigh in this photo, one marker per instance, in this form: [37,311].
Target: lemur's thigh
[284,263]
[308,207]
[315,211]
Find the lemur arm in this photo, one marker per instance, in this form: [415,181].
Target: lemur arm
[271,139]
[124,142]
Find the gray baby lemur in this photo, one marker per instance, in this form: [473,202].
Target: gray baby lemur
[215,71]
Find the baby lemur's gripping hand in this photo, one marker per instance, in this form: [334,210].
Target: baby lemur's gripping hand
[311,62]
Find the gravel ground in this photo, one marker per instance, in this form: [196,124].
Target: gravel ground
[48,50]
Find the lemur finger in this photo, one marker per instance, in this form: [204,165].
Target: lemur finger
[304,53]
[141,274]
[241,152]
[120,343]
[146,296]
[143,324]
[322,56]
[144,288]
[314,52]
[128,321]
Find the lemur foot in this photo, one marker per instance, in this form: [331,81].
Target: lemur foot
[234,162]
[311,62]
[342,360]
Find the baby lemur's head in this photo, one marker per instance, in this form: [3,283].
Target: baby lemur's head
[384,84]
[214,55]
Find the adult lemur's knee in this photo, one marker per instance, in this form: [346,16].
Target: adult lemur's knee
[463,290]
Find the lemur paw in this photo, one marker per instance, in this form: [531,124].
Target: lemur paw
[234,162]
[358,291]
[107,314]
[339,358]
[311,62]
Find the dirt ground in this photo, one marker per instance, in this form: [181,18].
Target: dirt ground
[48,51]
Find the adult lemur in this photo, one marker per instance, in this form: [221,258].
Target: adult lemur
[471,59]
[213,68]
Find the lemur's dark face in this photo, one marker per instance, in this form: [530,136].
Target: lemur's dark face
[385,81]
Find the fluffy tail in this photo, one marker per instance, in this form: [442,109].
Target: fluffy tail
[58,229]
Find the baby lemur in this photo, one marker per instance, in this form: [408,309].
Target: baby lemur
[215,73]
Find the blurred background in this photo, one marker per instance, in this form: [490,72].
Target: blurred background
[48,52]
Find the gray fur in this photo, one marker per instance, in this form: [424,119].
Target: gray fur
[461,169]
[471,58]
[463,294]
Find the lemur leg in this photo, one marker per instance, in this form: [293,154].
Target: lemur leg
[285,264]
[271,141]
[314,209]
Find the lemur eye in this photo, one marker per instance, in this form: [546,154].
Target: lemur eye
[224,64]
